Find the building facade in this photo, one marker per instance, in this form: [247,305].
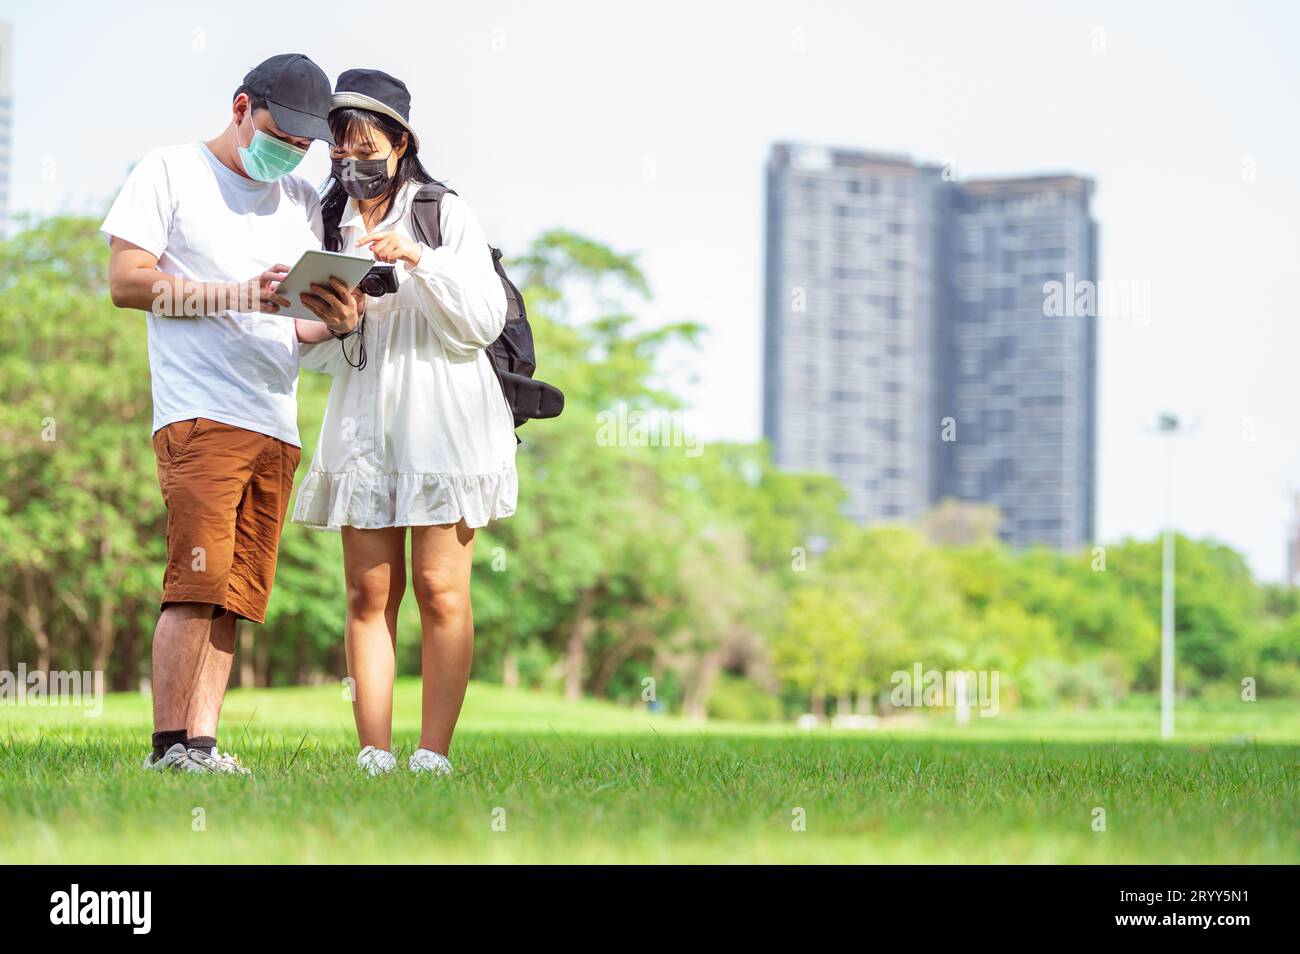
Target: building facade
[850,317]
[907,351]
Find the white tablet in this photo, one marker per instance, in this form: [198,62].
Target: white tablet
[317,268]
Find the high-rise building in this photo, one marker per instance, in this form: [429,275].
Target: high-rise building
[907,351]
[850,321]
[6,119]
[1021,384]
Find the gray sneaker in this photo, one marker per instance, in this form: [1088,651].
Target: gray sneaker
[218,763]
[176,758]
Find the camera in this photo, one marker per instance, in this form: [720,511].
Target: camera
[379,281]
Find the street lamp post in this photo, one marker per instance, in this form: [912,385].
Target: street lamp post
[1168,425]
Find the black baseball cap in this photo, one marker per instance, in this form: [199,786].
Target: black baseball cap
[297,92]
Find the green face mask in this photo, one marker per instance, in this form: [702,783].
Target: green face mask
[267,158]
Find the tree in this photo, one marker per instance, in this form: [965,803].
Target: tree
[81,521]
[822,647]
[1218,605]
[960,522]
[591,540]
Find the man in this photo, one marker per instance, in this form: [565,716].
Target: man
[189,227]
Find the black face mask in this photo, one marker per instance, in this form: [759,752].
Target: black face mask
[362,178]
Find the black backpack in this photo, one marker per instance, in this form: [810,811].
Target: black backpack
[513,357]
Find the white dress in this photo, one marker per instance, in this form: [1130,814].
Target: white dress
[423,434]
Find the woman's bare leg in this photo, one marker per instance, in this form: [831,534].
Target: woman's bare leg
[441,559]
[374,565]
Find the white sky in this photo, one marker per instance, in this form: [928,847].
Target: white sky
[646,126]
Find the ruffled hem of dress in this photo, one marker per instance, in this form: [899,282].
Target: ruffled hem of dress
[332,501]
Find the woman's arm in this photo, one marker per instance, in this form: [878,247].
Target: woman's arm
[340,313]
[311,332]
[455,283]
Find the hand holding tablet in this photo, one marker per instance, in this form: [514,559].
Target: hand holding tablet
[317,268]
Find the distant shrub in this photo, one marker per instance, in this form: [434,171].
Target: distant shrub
[736,699]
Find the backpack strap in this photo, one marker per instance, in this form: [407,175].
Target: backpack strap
[426,213]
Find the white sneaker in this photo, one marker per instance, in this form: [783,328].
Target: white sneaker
[427,760]
[375,761]
[218,763]
[177,757]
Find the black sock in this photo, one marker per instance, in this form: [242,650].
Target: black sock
[162,741]
[204,743]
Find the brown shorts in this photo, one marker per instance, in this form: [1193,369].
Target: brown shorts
[227,491]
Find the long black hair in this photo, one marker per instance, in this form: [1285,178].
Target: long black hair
[353,125]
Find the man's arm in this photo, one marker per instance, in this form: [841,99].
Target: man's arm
[135,281]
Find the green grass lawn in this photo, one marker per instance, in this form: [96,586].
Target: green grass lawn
[593,782]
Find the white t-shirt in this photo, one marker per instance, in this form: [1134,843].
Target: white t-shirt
[209,223]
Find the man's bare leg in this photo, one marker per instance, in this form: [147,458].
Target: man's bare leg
[178,644]
[211,677]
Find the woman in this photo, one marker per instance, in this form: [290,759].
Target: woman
[417,433]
